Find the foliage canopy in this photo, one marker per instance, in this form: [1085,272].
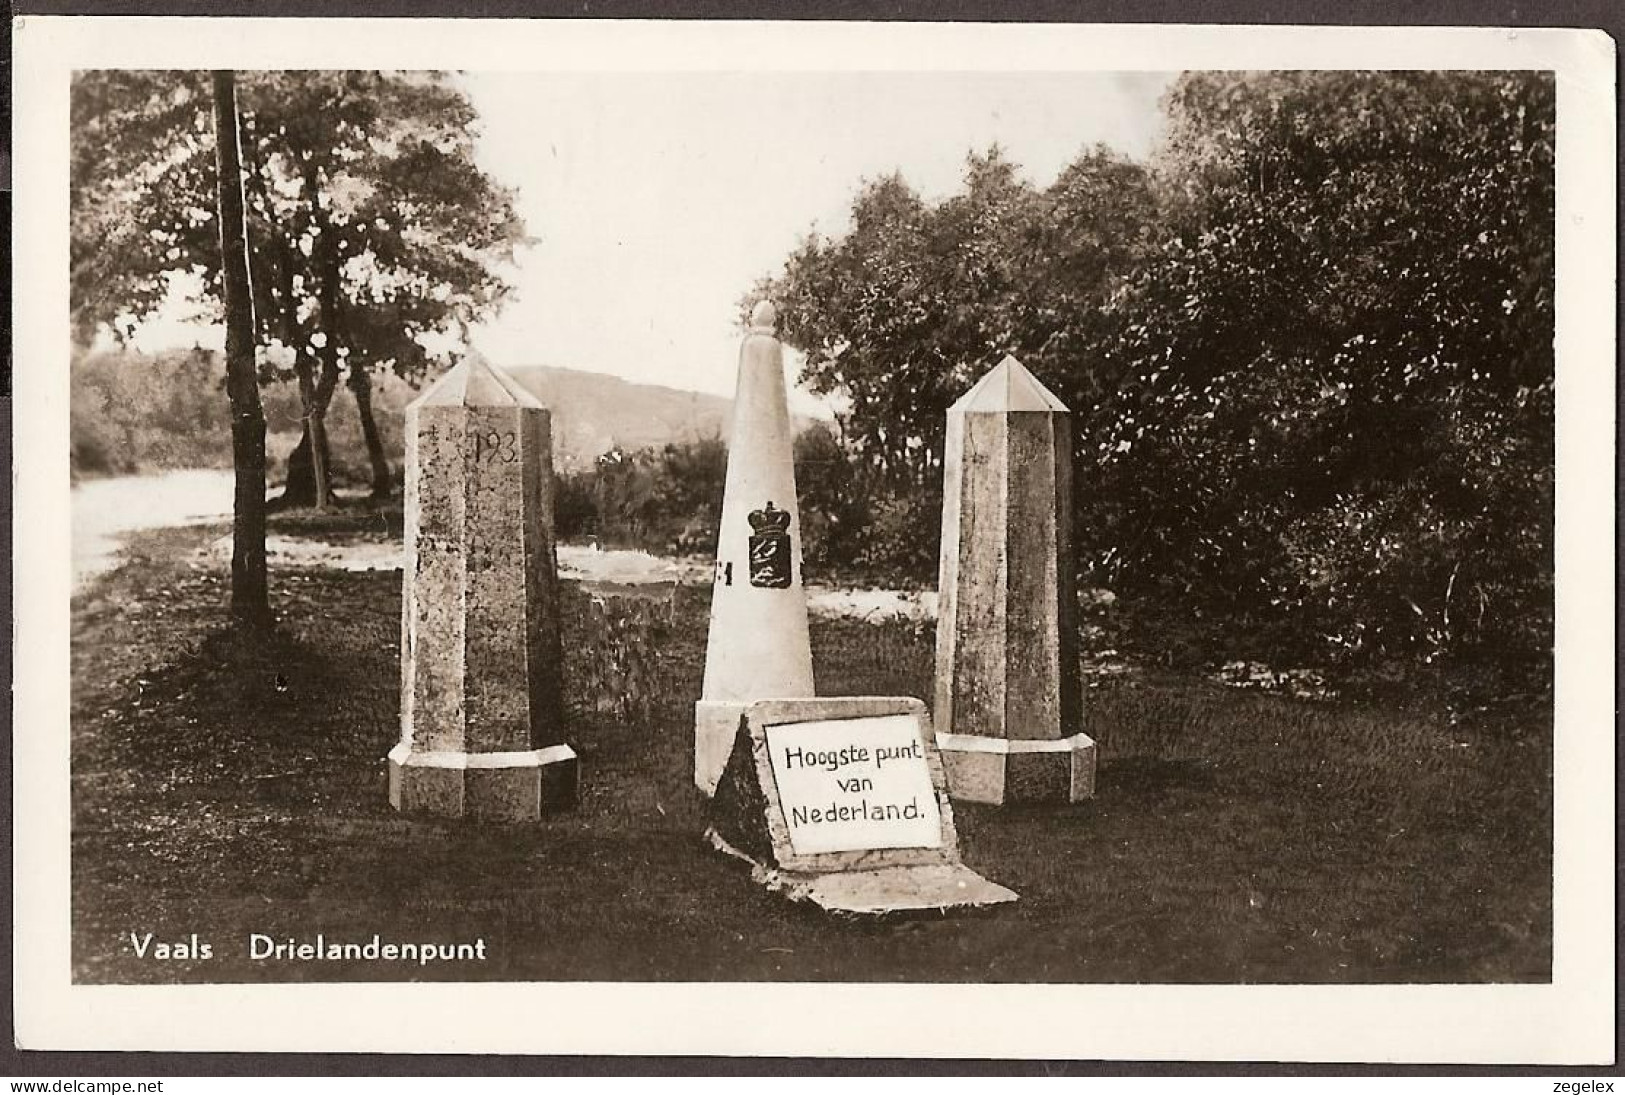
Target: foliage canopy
[373,229]
[1308,349]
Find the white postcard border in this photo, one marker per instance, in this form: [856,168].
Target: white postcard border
[1570,1021]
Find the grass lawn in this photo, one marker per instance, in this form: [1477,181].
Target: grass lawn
[1234,837]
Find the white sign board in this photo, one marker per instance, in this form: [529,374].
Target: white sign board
[854,784]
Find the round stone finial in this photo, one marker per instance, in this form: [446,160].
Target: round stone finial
[764,316]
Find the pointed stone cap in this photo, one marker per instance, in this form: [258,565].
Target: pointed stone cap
[1009,387]
[475,382]
[764,317]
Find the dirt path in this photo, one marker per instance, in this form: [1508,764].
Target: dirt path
[104,511]
[599,569]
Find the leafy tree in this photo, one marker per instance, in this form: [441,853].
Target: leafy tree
[1338,418]
[906,311]
[1308,349]
[903,313]
[373,230]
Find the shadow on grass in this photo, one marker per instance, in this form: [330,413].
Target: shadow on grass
[1151,778]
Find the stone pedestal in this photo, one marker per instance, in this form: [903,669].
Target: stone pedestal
[481,713]
[1008,702]
[758,645]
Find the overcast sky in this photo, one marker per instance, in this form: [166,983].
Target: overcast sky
[659,198]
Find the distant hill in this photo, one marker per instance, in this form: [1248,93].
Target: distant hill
[595,412]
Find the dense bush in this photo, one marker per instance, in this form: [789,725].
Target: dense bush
[669,499]
[128,412]
[660,499]
[835,506]
[1308,350]
[1337,413]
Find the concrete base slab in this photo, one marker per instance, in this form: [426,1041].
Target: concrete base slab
[715,724]
[1000,770]
[879,891]
[518,786]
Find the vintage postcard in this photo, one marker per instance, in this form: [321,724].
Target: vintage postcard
[943,540]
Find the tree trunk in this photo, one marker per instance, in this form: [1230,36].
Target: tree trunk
[320,455]
[300,488]
[250,600]
[309,481]
[309,465]
[328,296]
[319,490]
[305,487]
[383,480]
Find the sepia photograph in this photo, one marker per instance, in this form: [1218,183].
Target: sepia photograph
[729,523]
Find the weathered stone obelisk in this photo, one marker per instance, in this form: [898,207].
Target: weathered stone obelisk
[481,717]
[758,647]
[1008,706]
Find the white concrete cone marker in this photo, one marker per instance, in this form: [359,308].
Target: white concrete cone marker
[758,647]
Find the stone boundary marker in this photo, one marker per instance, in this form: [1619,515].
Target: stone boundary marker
[481,711]
[841,802]
[1009,706]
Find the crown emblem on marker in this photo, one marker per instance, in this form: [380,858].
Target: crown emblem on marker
[769,520]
